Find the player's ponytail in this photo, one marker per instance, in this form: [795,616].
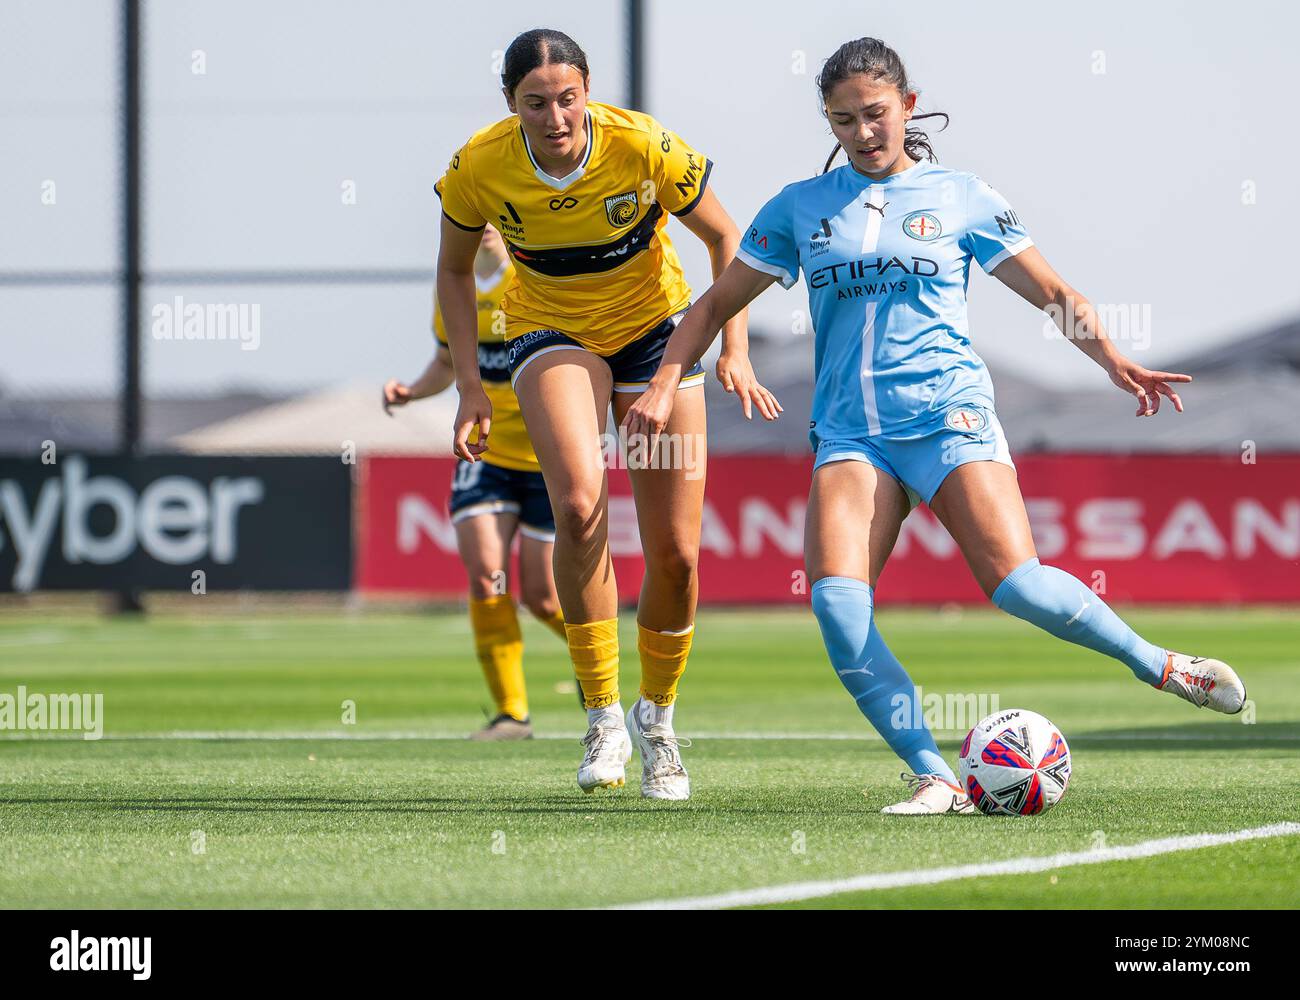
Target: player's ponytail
[873,58]
[540,47]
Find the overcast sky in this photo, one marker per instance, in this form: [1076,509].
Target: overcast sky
[1149,147]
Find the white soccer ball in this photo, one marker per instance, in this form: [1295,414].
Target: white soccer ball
[1015,763]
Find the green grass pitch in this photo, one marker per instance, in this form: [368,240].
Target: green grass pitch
[228,776]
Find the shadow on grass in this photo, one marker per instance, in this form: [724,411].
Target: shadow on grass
[1223,733]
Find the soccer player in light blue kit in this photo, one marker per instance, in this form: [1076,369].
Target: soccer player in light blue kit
[903,407]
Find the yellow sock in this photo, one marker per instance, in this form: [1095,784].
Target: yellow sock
[663,658]
[500,649]
[594,649]
[555,623]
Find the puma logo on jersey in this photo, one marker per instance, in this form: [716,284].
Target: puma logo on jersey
[864,669]
[878,208]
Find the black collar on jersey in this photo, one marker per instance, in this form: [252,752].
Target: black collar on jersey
[560,183]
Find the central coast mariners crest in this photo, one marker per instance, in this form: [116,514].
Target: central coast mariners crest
[620,209]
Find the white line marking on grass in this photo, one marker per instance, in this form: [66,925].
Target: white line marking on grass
[1014,866]
[33,639]
[235,735]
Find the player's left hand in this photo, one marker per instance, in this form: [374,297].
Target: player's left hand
[1147,386]
[737,376]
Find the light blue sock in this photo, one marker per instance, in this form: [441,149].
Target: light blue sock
[871,673]
[1060,604]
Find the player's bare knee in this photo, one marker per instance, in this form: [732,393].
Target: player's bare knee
[485,583]
[672,563]
[578,516]
[990,577]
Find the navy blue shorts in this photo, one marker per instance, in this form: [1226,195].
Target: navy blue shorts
[632,366]
[483,488]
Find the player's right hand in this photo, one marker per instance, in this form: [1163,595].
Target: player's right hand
[395,394]
[736,375]
[475,410]
[1147,386]
[648,415]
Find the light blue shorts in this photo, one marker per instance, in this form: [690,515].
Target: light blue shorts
[962,433]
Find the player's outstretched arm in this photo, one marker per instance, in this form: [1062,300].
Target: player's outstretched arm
[1030,276]
[710,222]
[459,313]
[434,379]
[738,286]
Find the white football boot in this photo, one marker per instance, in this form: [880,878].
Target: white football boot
[609,748]
[662,773]
[1204,682]
[931,796]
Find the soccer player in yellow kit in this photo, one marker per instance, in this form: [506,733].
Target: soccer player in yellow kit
[493,499]
[581,192]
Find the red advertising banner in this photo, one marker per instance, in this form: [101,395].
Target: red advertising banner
[1135,528]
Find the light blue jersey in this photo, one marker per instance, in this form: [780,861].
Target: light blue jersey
[899,387]
[886,264]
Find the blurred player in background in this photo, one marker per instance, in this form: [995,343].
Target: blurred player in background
[493,499]
[903,407]
[580,192]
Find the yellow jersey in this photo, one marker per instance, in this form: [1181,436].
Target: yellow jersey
[508,444]
[592,257]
